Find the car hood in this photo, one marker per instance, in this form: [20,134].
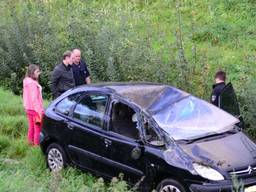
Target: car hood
[232,152]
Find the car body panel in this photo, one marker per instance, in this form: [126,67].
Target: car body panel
[223,152]
[104,152]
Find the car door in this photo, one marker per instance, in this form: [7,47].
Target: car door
[228,102]
[87,144]
[59,124]
[123,143]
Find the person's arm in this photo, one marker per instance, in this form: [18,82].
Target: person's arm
[34,95]
[56,74]
[88,80]
[87,76]
[86,73]
[215,97]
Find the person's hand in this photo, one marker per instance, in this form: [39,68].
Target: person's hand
[38,119]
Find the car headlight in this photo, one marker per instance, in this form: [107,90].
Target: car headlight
[208,172]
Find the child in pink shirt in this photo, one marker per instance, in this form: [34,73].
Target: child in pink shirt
[33,103]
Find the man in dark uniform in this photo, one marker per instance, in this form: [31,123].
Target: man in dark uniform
[62,76]
[80,71]
[220,78]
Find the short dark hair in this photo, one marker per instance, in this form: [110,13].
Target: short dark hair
[67,54]
[220,75]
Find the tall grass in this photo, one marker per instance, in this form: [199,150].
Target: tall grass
[23,168]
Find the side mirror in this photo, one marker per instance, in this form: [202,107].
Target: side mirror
[136,153]
[157,143]
[241,124]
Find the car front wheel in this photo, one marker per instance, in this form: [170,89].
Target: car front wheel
[170,185]
[56,157]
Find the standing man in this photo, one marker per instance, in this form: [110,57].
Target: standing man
[80,71]
[220,78]
[62,76]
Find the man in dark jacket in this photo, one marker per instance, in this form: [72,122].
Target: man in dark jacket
[80,70]
[220,78]
[62,76]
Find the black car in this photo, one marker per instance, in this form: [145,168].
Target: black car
[158,136]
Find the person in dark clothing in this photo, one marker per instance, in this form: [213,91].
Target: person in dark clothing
[80,70]
[62,76]
[220,78]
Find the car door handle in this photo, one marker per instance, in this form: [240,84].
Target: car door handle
[107,142]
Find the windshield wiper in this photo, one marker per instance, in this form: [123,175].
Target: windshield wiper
[210,136]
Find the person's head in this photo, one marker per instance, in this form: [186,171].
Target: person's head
[67,57]
[33,71]
[220,76]
[76,53]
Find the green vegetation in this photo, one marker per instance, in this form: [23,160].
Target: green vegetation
[23,167]
[179,42]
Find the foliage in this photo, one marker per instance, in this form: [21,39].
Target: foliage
[238,185]
[179,42]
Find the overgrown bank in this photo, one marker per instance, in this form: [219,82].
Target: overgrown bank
[180,42]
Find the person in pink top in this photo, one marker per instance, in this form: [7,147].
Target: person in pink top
[33,103]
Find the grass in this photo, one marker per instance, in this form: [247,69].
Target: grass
[23,168]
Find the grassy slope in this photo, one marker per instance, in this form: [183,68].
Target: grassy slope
[23,168]
[222,31]
[216,34]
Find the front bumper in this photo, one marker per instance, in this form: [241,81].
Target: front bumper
[223,186]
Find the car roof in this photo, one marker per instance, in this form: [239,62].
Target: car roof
[150,97]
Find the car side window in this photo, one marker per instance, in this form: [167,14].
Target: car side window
[91,109]
[65,105]
[151,136]
[124,121]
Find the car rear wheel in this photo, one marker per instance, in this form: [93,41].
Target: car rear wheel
[56,157]
[170,185]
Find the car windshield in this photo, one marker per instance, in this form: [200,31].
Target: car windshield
[192,118]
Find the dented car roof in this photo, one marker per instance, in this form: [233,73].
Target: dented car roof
[150,97]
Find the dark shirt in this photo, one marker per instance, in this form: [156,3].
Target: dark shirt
[61,80]
[217,88]
[80,73]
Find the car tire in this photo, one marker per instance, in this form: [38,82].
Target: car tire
[170,185]
[56,157]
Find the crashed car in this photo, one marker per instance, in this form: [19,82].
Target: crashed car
[158,136]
